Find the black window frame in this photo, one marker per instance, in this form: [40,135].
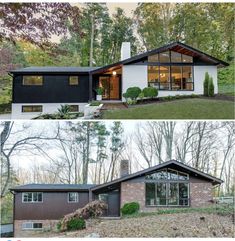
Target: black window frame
[182,64]
[167,183]
[32,106]
[32,199]
[28,75]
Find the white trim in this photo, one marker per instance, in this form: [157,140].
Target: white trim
[76,197]
[32,198]
[31,224]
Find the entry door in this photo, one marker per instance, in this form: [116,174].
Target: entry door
[114,204]
[113,201]
[111,86]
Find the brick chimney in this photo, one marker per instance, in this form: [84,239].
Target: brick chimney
[124,168]
[125,50]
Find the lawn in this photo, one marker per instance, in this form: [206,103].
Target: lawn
[179,109]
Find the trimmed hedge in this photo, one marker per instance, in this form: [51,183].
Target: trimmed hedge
[130,208]
[150,92]
[132,93]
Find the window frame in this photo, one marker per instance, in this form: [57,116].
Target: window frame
[77,197]
[158,83]
[32,106]
[32,226]
[70,80]
[167,182]
[32,197]
[23,80]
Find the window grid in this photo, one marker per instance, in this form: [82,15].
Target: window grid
[32,197]
[31,225]
[73,197]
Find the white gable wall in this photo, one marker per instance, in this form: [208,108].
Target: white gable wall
[137,75]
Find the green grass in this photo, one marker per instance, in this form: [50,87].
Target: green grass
[180,109]
[227,89]
[215,209]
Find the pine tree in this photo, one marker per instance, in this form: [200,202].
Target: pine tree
[206,84]
[211,87]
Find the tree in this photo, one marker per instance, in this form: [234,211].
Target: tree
[36,22]
[206,84]
[211,87]
[115,148]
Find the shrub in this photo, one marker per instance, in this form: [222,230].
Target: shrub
[211,87]
[141,96]
[206,84]
[132,93]
[150,92]
[100,91]
[130,208]
[131,102]
[91,210]
[76,224]
[58,225]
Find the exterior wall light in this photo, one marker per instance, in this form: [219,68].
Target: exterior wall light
[114,73]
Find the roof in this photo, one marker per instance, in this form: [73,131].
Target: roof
[93,187]
[214,180]
[53,187]
[175,46]
[54,70]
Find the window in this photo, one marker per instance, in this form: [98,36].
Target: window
[32,108]
[187,58]
[103,197]
[159,175]
[153,58]
[73,108]
[32,197]
[175,57]
[164,78]
[73,80]
[164,57]
[32,80]
[167,187]
[170,78]
[72,197]
[187,82]
[31,225]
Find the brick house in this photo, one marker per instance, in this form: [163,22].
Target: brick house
[170,184]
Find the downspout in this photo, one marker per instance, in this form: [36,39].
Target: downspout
[90,86]
[12,192]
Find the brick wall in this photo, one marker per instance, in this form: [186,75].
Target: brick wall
[46,226]
[200,194]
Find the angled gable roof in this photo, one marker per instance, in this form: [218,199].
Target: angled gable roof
[214,180]
[175,46]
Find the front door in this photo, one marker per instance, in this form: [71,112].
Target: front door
[111,86]
[113,201]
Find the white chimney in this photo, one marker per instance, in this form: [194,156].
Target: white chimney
[125,50]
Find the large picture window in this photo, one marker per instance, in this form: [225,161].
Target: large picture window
[170,77]
[170,70]
[167,187]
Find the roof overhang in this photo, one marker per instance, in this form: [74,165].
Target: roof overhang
[213,180]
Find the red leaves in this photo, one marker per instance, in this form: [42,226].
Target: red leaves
[37,22]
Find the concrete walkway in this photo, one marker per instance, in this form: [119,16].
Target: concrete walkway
[5,116]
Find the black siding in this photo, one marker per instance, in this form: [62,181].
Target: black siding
[55,89]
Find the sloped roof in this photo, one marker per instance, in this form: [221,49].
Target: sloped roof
[53,187]
[214,180]
[175,46]
[54,70]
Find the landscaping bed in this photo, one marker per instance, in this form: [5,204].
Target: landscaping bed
[190,224]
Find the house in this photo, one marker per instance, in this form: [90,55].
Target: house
[169,184]
[174,69]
